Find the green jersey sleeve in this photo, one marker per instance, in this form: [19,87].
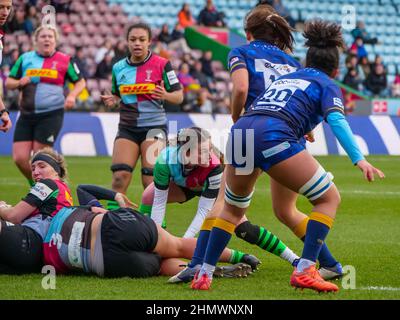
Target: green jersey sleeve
[73,72]
[16,70]
[161,174]
[171,82]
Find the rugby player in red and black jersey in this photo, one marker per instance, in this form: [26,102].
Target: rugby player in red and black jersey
[24,226]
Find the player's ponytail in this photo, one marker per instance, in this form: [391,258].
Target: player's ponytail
[324,39]
[265,24]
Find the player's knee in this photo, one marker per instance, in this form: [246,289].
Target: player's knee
[20,159]
[334,196]
[248,232]
[121,178]
[241,202]
[317,187]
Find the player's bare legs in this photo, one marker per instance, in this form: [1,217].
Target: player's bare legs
[296,174]
[149,150]
[169,246]
[21,154]
[284,205]
[125,156]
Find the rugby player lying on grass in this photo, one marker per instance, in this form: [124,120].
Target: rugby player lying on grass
[24,226]
[118,243]
[191,166]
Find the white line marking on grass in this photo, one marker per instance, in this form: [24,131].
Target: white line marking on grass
[380,288]
[396,193]
[377,193]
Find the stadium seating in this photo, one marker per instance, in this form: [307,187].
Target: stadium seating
[93,21]
[386,29]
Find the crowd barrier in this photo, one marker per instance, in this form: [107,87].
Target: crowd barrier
[91,134]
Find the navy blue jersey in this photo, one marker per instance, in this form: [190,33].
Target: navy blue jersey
[301,99]
[264,62]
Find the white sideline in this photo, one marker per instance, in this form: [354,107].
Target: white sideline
[380,288]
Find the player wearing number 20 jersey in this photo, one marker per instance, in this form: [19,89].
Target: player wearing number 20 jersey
[264,62]
[292,106]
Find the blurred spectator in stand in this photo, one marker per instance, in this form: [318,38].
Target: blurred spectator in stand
[187,58]
[190,87]
[284,12]
[18,22]
[396,86]
[199,75]
[223,106]
[261,2]
[178,41]
[120,51]
[352,63]
[25,47]
[32,16]
[206,60]
[188,82]
[107,48]
[81,62]
[185,17]
[352,79]
[11,57]
[62,6]
[203,102]
[164,36]
[361,32]
[161,49]
[210,17]
[378,61]
[365,67]
[376,82]
[177,33]
[104,68]
[359,48]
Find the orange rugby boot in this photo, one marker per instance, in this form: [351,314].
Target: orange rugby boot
[202,283]
[311,279]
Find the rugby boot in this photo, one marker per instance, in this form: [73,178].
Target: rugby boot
[310,279]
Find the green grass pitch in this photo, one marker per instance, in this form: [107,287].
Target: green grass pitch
[366,235]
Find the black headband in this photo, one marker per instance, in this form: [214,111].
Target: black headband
[49,160]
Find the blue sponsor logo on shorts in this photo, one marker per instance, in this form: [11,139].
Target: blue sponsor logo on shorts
[274,150]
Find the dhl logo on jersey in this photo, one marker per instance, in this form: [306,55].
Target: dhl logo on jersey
[42,73]
[139,88]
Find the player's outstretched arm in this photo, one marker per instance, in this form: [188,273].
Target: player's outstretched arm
[343,133]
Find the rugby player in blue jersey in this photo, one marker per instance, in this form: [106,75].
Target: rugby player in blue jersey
[253,67]
[293,105]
